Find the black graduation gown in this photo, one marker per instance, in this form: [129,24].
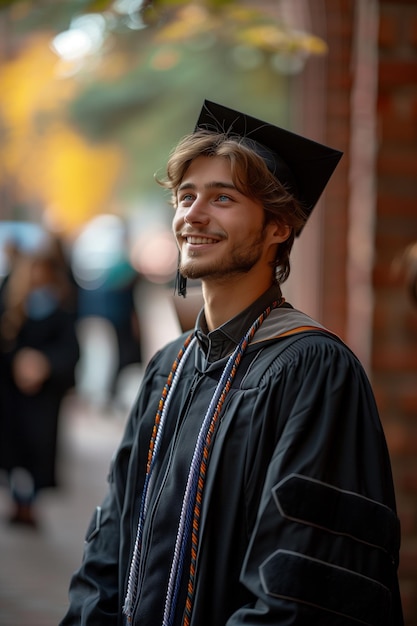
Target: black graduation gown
[298,519]
[29,423]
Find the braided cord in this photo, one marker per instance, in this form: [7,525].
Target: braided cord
[192,501]
[238,354]
[154,444]
[189,522]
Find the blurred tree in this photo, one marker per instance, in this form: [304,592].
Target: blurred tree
[52,166]
[97,92]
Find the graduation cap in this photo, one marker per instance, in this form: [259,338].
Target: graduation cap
[303,166]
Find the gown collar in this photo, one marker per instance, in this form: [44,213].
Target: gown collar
[220,342]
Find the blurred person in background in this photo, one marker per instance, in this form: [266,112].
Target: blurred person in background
[38,352]
[11,253]
[114,301]
[108,315]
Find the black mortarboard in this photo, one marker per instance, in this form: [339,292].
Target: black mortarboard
[302,165]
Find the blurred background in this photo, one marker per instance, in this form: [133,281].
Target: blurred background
[93,96]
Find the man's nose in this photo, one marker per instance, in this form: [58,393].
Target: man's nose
[197,212]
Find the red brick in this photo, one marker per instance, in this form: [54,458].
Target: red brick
[389,271]
[339,105]
[398,162]
[388,30]
[407,479]
[397,205]
[408,404]
[412,32]
[408,562]
[339,131]
[410,321]
[396,128]
[345,8]
[391,242]
[397,438]
[413,105]
[397,73]
[407,514]
[408,599]
[339,29]
[396,358]
[381,396]
[383,276]
[394,340]
[384,103]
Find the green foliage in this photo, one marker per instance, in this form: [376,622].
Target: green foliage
[143,88]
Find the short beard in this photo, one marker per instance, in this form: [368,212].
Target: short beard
[240,262]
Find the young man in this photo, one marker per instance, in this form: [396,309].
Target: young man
[253,484]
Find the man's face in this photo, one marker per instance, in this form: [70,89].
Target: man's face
[219,231]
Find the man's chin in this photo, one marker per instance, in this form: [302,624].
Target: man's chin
[195,273]
[212,274]
[213,271]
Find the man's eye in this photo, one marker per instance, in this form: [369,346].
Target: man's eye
[187,197]
[224,198]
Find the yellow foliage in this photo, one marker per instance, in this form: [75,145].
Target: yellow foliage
[240,23]
[189,22]
[72,178]
[275,39]
[45,161]
[314,45]
[27,83]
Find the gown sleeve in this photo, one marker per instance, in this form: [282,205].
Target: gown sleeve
[324,543]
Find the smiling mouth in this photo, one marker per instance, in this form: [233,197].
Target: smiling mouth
[200,240]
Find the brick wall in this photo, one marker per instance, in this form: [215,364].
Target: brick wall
[394,363]
[321,110]
[392,327]
[339,27]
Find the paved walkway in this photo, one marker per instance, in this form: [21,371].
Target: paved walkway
[36,566]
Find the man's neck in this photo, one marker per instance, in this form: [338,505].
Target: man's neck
[225,300]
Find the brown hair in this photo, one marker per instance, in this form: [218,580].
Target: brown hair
[251,177]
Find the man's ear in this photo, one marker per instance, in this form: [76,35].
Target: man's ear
[279,232]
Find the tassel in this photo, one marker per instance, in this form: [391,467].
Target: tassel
[180,284]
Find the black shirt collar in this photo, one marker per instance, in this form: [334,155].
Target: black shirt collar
[221,341]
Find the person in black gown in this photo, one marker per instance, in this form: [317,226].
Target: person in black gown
[38,354]
[253,482]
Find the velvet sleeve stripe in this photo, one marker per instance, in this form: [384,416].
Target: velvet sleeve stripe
[350,597]
[309,501]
